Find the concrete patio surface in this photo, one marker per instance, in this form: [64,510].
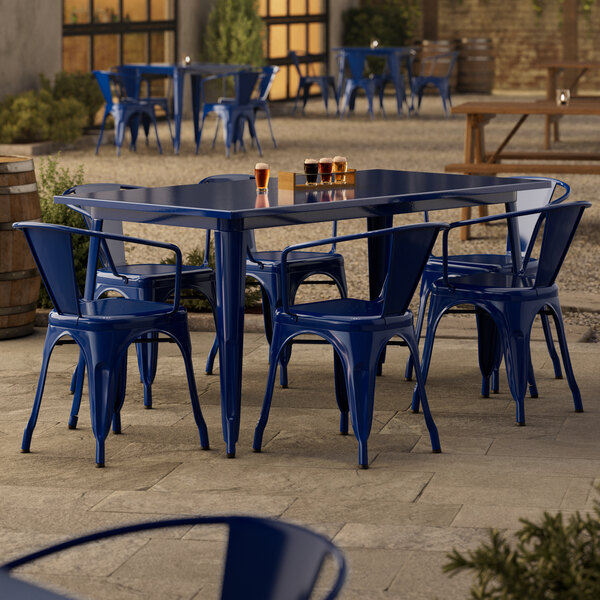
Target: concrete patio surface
[396,521]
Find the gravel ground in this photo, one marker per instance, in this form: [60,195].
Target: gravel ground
[424,143]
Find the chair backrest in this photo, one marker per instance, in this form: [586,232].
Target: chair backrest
[104,79]
[265,560]
[116,248]
[433,65]
[560,223]
[131,80]
[529,199]
[266,81]
[355,60]
[409,251]
[244,86]
[294,58]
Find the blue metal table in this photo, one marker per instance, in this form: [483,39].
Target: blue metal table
[178,72]
[394,55]
[232,208]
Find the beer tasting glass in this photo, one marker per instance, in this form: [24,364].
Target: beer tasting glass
[311,170]
[340,165]
[325,168]
[261,173]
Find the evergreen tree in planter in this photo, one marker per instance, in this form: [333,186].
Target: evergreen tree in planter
[234,33]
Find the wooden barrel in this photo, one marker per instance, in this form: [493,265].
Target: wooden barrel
[19,278]
[476,66]
[431,48]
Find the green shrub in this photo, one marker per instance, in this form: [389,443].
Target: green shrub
[53,181]
[199,304]
[81,86]
[38,116]
[552,560]
[234,33]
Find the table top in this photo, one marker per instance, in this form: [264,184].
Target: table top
[235,205]
[533,107]
[377,50]
[192,68]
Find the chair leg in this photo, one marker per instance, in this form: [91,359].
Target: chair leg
[550,345]
[564,350]
[268,113]
[201,128]
[341,393]
[488,342]
[517,359]
[431,426]
[120,397]
[266,407]
[212,354]
[216,133]
[147,360]
[252,130]
[77,389]
[49,342]
[156,133]
[423,297]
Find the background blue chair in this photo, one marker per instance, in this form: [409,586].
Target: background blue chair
[264,266]
[512,298]
[140,88]
[305,82]
[232,113]
[103,328]
[265,559]
[127,111]
[355,59]
[397,79]
[429,75]
[137,281]
[357,329]
[468,264]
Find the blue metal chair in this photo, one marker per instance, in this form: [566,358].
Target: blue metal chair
[264,266]
[468,264]
[265,559]
[103,328]
[125,112]
[397,79]
[137,281]
[305,82]
[133,82]
[355,60]
[511,298]
[357,329]
[428,76]
[233,114]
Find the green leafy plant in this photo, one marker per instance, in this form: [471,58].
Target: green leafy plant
[555,559]
[80,86]
[234,33]
[54,180]
[199,304]
[37,116]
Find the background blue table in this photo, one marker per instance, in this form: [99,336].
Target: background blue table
[231,208]
[177,73]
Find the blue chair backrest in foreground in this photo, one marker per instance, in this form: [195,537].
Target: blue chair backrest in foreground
[266,559]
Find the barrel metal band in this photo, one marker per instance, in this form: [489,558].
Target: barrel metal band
[26,188]
[14,275]
[16,166]
[15,310]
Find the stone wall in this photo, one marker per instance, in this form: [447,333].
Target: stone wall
[520,37]
[30,43]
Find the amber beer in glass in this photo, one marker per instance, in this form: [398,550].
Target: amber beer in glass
[325,168]
[311,170]
[261,172]
[340,165]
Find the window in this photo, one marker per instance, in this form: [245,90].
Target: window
[99,34]
[299,25]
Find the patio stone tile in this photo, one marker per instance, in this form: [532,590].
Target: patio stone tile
[546,448]
[320,508]
[421,573]
[406,537]
[208,503]
[495,516]
[455,445]
[49,471]
[580,493]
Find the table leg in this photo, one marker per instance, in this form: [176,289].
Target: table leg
[230,278]
[196,101]
[178,76]
[378,251]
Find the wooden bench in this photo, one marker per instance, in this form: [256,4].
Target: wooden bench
[526,168]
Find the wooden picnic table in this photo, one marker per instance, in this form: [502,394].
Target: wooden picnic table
[555,68]
[479,161]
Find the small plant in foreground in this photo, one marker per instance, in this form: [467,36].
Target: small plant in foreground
[556,559]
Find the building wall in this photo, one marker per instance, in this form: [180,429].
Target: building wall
[520,37]
[30,43]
